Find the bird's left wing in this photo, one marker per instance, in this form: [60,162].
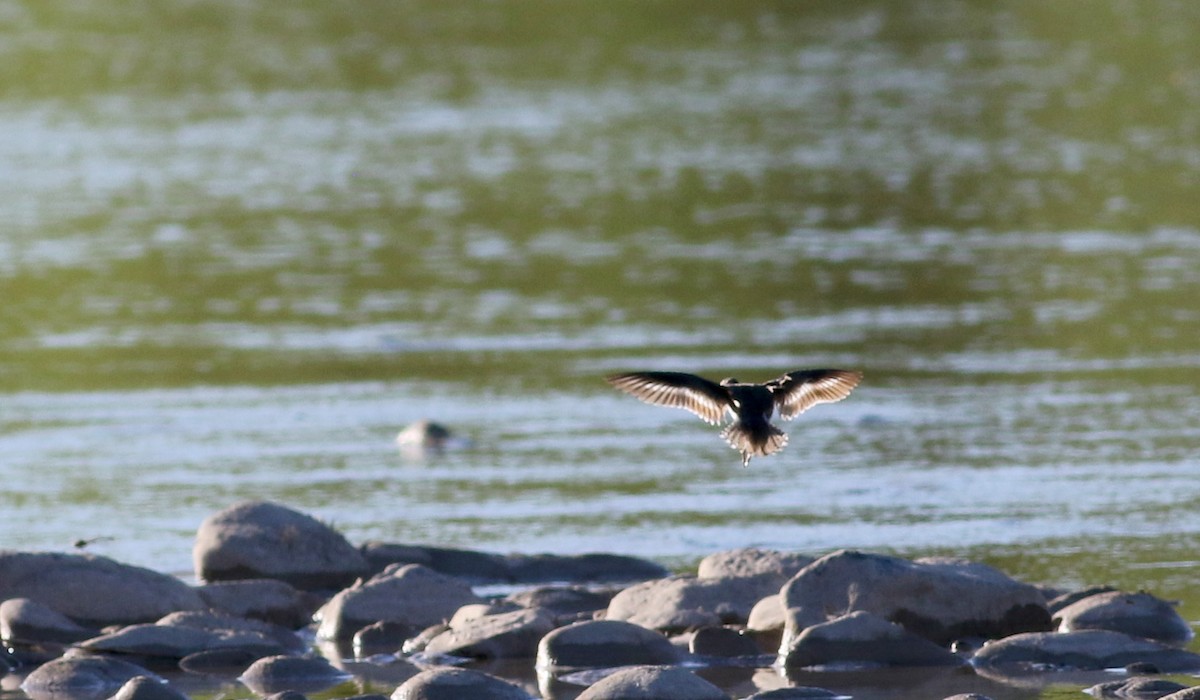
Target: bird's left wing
[796,392]
[705,398]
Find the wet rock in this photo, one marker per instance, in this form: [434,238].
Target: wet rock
[653,683]
[93,591]
[751,561]
[604,644]
[81,677]
[26,621]
[457,684]
[153,640]
[939,599]
[508,635]
[412,594]
[722,642]
[597,568]
[1139,688]
[1062,600]
[565,603]
[265,599]
[144,688]
[275,674]
[685,602]
[257,539]
[1188,694]
[1083,650]
[862,639]
[767,615]
[1137,614]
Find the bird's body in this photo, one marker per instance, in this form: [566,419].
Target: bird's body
[751,405]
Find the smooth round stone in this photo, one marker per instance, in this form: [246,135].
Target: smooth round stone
[457,684]
[275,674]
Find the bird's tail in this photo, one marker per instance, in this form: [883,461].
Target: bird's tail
[761,441]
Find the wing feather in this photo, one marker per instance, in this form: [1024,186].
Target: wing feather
[705,398]
[796,392]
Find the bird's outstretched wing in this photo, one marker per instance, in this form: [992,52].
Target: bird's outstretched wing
[706,399]
[796,392]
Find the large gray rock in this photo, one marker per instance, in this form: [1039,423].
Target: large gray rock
[257,539]
[265,599]
[81,677]
[242,631]
[26,621]
[302,674]
[412,594]
[93,591]
[862,639]
[486,567]
[604,644]
[565,603]
[1137,614]
[767,615]
[1084,650]
[686,602]
[653,683]
[457,684]
[506,635]
[1186,694]
[751,561]
[939,599]
[1137,688]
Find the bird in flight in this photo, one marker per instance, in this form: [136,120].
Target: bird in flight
[751,405]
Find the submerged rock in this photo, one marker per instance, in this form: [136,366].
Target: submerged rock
[939,599]
[258,539]
[93,591]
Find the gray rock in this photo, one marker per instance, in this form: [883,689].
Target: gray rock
[257,539]
[1137,614]
[939,599]
[26,621]
[81,677]
[457,684]
[153,640]
[604,644]
[1083,650]
[302,674]
[508,635]
[93,591]
[686,602]
[469,565]
[1139,688]
[143,688]
[1188,694]
[862,639]
[265,599]
[653,683]
[767,615]
[238,630]
[565,603]
[412,594]
[751,561]
[597,568]
[380,637]
[231,661]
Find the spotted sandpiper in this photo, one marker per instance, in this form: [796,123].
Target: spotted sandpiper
[751,405]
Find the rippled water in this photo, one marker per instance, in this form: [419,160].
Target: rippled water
[243,245]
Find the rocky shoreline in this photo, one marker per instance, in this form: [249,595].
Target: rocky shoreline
[288,606]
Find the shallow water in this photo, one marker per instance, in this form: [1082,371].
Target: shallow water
[244,245]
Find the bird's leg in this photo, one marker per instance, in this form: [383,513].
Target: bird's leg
[745,459]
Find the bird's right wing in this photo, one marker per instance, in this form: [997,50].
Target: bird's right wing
[706,399]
